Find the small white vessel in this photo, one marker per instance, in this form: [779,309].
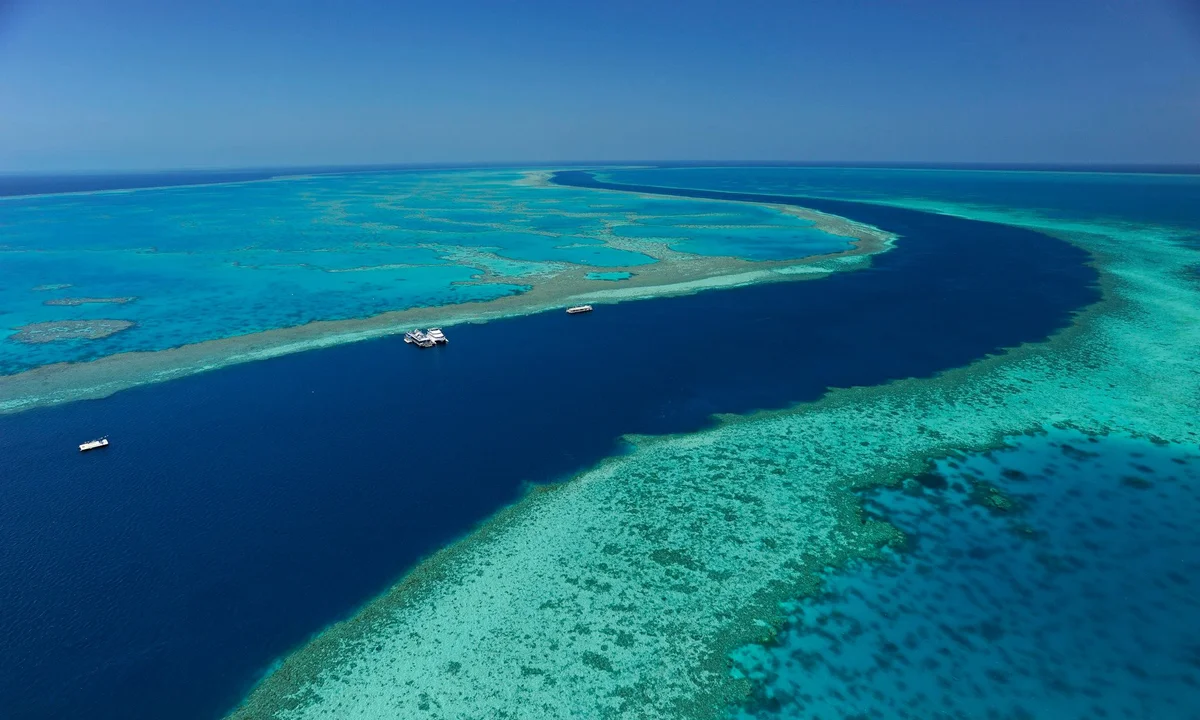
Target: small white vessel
[579,309]
[93,444]
[437,336]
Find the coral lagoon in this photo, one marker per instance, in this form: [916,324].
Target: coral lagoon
[295,263]
[782,563]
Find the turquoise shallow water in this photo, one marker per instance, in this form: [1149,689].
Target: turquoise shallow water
[214,261]
[1095,530]
[1079,602]
[738,229]
[756,243]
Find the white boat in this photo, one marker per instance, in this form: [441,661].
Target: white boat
[425,339]
[93,444]
[418,338]
[579,309]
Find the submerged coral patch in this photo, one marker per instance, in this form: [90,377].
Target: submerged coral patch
[1068,608]
[56,330]
[70,302]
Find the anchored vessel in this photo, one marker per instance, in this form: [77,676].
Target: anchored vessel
[93,444]
[426,338]
[579,309]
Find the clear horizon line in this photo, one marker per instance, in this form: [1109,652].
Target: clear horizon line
[1174,168]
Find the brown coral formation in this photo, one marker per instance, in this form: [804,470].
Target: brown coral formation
[44,332]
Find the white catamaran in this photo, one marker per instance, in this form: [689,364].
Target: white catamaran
[426,338]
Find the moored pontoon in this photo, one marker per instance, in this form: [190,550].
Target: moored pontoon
[579,309]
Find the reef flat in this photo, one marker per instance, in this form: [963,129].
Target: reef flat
[1065,603]
[71,302]
[297,263]
[55,331]
[609,276]
[624,591]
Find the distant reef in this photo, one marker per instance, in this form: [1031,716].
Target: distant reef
[90,300]
[44,332]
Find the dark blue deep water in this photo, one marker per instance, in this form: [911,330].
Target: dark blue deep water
[239,511]
[1170,199]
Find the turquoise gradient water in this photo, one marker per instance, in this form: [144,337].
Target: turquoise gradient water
[153,626]
[213,261]
[739,229]
[1077,602]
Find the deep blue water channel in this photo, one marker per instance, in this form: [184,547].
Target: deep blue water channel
[239,511]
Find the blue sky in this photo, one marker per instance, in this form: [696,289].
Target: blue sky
[131,84]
